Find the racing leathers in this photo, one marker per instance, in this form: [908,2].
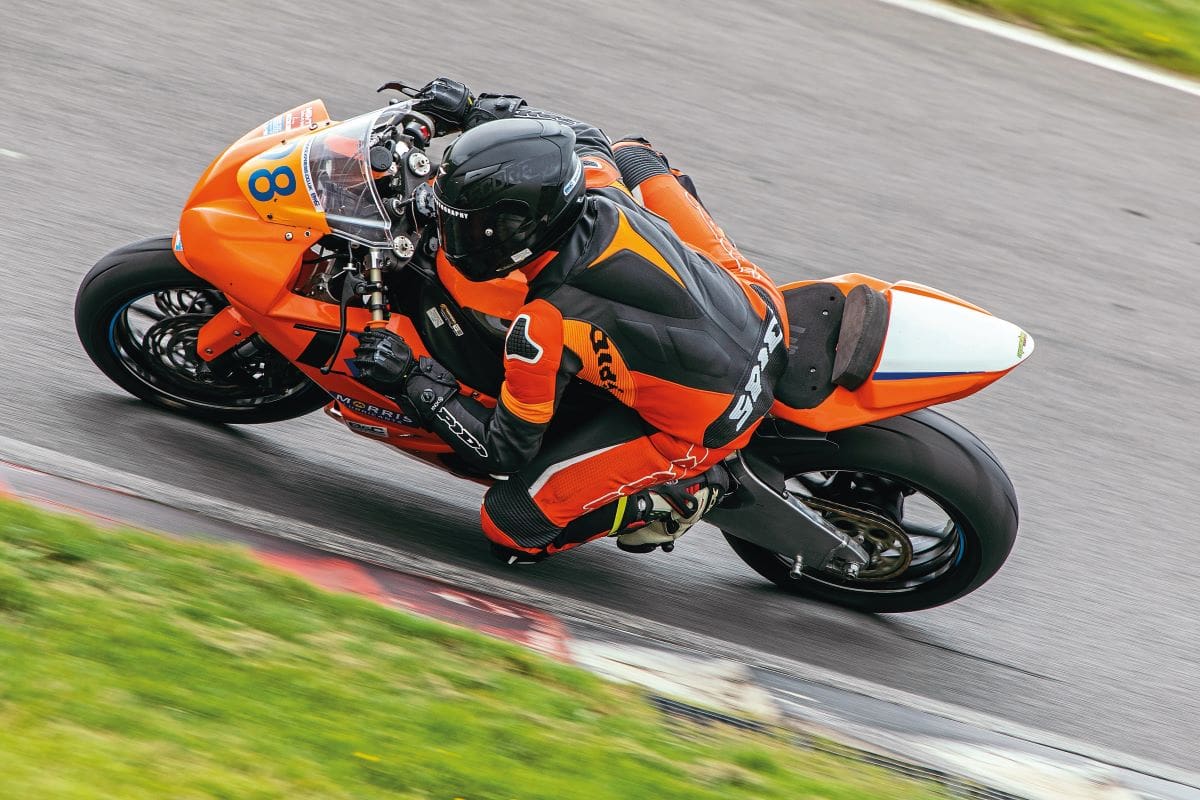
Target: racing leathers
[643,297]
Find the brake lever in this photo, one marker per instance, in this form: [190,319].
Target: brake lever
[401,87]
[352,286]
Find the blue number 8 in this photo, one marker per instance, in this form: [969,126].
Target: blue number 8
[274,184]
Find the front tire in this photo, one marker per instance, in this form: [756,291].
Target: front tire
[137,313]
[922,457]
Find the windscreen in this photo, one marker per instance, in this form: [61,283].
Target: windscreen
[337,174]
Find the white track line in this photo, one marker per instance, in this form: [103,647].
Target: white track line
[1042,41]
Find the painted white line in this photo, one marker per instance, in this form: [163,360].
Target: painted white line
[12,154]
[52,462]
[1043,41]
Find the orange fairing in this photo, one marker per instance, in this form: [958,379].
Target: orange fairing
[880,398]
[242,250]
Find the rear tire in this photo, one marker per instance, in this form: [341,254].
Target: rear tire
[141,271]
[937,458]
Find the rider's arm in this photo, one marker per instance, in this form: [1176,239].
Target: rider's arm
[536,370]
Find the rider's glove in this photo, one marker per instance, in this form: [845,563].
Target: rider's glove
[447,101]
[383,361]
[488,107]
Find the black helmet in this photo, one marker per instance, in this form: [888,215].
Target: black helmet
[506,191]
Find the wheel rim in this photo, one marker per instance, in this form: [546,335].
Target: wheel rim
[936,537]
[153,336]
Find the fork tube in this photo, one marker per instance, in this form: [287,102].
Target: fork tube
[376,304]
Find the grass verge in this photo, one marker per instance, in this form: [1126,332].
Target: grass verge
[1162,32]
[135,666]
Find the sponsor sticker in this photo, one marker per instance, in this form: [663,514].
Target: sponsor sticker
[753,388]
[450,320]
[461,433]
[306,171]
[602,348]
[451,210]
[372,410]
[569,185]
[178,242]
[377,431]
[1022,340]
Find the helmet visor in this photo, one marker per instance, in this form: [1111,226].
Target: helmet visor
[502,228]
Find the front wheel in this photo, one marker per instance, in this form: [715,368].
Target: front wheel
[921,494]
[138,314]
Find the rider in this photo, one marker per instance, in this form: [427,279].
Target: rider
[632,288]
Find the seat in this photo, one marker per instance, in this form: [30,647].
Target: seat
[834,340]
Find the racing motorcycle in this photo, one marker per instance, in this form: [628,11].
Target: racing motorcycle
[308,230]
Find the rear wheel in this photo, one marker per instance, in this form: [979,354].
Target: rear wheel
[138,314]
[921,494]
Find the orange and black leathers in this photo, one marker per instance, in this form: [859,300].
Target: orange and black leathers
[622,303]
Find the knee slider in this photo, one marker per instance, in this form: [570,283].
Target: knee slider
[513,511]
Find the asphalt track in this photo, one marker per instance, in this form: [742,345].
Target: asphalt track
[827,137]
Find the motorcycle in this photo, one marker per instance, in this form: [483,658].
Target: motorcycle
[308,230]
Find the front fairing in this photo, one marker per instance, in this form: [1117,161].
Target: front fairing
[321,175]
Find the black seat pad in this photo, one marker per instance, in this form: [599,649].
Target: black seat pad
[834,340]
[814,316]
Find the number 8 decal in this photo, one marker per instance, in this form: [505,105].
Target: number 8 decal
[274,184]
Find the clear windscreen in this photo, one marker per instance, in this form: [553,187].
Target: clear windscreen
[337,174]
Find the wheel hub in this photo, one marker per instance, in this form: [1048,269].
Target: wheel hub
[890,548]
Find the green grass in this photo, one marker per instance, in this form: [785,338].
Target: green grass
[1163,32]
[134,666]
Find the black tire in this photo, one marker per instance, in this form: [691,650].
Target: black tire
[943,461]
[139,271]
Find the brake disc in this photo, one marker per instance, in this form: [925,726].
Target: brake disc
[889,546]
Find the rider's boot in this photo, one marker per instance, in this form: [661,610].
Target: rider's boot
[672,509]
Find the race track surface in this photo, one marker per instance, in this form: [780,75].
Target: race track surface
[827,137]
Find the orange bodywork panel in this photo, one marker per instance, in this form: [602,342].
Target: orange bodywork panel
[226,329]
[239,243]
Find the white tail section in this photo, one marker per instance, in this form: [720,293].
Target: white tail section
[928,337]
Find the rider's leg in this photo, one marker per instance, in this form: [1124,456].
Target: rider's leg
[595,481]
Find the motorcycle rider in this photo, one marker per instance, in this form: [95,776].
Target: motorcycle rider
[632,288]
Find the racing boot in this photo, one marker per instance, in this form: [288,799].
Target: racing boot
[674,508]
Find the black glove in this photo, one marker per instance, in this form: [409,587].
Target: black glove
[383,360]
[447,101]
[488,107]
